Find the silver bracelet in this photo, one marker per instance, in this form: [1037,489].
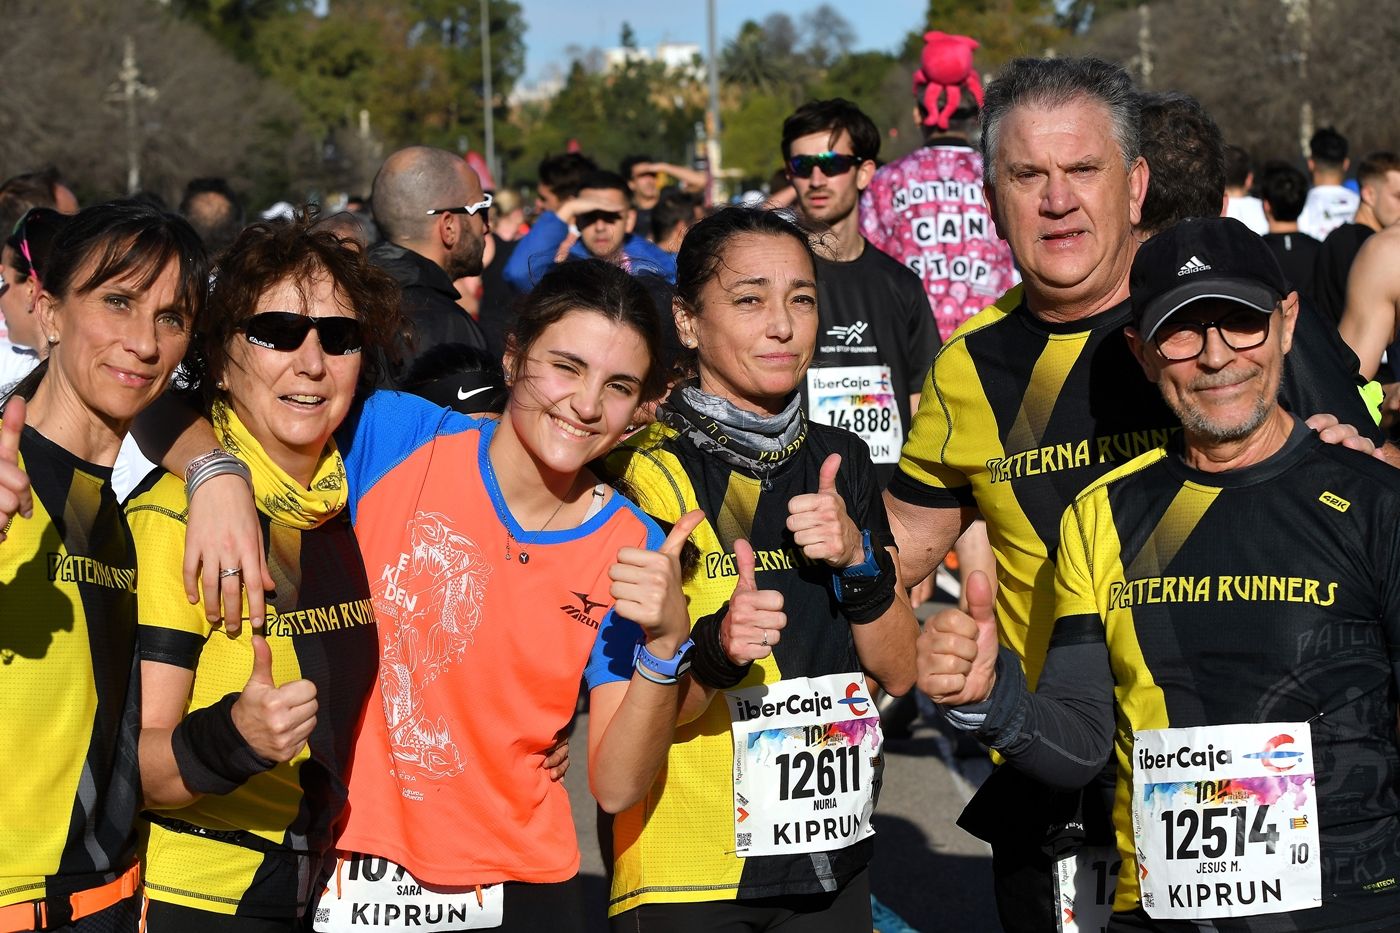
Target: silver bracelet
[215,463]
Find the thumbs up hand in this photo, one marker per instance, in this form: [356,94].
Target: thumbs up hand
[15,495]
[275,721]
[646,588]
[957,651]
[755,620]
[820,525]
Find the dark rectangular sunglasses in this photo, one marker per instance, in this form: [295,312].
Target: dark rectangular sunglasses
[286,331]
[831,163]
[586,220]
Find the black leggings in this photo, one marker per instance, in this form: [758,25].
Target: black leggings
[844,911]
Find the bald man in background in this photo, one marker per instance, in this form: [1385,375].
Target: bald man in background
[421,198]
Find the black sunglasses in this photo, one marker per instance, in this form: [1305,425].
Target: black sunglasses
[584,221]
[286,331]
[831,163]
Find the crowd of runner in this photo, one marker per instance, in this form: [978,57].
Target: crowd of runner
[315,525]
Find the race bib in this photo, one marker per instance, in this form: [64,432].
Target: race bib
[860,399]
[807,764]
[1225,820]
[1085,882]
[373,895]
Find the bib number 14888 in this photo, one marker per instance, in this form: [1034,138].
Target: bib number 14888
[860,420]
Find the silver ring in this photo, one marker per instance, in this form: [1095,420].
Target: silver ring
[230,572]
[765,638]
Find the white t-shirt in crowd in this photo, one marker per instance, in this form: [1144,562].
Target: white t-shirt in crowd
[1327,208]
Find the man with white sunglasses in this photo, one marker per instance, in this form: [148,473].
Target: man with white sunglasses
[434,217]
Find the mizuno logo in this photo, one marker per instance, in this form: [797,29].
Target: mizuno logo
[466,395]
[1192,265]
[584,611]
[849,333]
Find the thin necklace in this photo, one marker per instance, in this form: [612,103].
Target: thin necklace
[510,537]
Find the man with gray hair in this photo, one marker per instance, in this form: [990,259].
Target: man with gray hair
[1029,402]
[433,216]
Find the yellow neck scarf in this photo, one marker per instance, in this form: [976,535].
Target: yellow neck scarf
[280,497]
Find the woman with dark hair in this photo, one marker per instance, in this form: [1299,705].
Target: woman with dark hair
[23,257]
[504,572]
[121,287]
[245,741]
[761,816]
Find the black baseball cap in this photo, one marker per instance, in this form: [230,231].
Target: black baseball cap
[473,392]
[1215,257]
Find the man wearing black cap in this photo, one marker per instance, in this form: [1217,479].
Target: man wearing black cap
[1225,611]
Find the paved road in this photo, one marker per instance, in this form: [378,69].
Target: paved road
[935,876]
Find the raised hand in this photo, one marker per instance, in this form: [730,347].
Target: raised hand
[755,620]
[820,525]
[275,721]
[15,495]
[646,586]
[957,652]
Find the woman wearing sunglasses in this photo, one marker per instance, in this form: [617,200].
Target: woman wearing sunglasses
[22,260]
[503,573]
[122,285]
[245,741]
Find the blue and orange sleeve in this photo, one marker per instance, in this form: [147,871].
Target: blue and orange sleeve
[383,430]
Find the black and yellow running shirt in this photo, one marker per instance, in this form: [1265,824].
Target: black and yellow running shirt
[245,852]
[69,719]
[1017,416]
[677,845]
[1269,594]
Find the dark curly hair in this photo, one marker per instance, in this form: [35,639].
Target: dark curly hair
[268,253]
[1185,156]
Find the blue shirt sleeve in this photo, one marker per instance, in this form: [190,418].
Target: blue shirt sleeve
[613,649]
[533,255]
[381,432]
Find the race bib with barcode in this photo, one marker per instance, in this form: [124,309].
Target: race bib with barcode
[1225,820]
[374,895]
[807,764]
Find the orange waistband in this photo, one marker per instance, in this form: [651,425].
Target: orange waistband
[34,915]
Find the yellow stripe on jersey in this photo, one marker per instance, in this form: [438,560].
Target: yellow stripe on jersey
[1016,437]
[66,598]
[1140,701]
[217,875]
[677,845]
[36,801]
[1047,381]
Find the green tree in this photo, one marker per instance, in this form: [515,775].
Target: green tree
[1006,29]
[752,136]
[749,61]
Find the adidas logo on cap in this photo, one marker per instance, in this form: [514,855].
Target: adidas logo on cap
[1192,265]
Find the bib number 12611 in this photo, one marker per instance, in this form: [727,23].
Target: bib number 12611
[822,773]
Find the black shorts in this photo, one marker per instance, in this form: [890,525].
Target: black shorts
[846,910]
